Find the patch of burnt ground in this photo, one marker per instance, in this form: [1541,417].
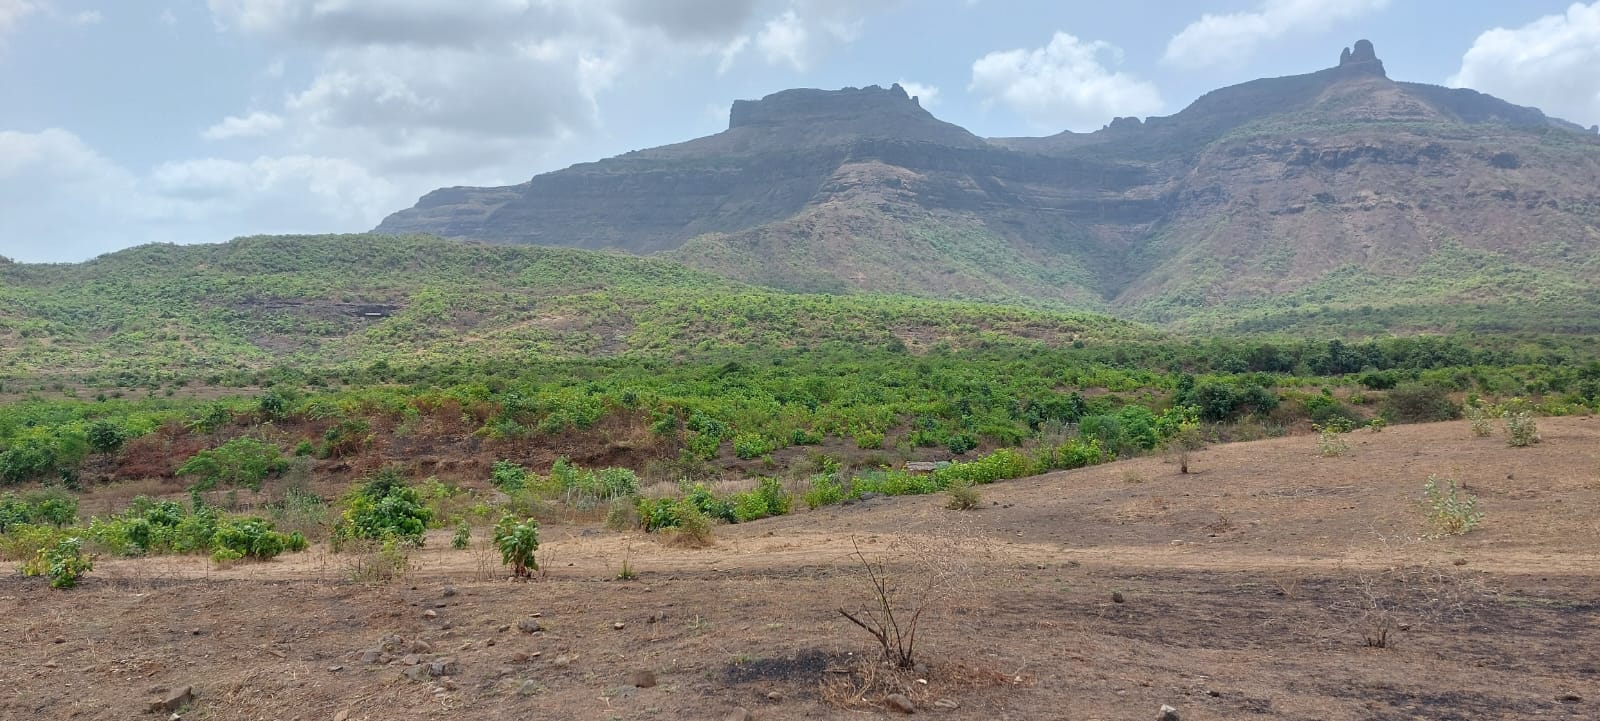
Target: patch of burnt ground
[805,666]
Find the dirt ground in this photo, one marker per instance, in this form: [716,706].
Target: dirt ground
[1271,583]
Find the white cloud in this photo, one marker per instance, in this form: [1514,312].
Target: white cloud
[926,95]
[13,11]
[68,202]
[386,101]
[1230,39]
[88,17]
[809,28]
[784,40]
[1063,84]
[1549,63]
[730,52]
[250,126]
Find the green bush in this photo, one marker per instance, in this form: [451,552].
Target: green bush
[518,544]
[716,509]
[960,443]
[1075,453]
[803,437]
[1479,417]
[240,462]
[1450,512]
[65,563]
[462,537]
[508,476]
[1418,403]
[752,445]
[894,483]
[588,489]
[768,499]
[105,436]
[1000,465]
[384,507]
[250,537]
[825,491]
[53,506]
[658,513]
[1521,430]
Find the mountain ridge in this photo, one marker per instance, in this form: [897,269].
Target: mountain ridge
[1261,189]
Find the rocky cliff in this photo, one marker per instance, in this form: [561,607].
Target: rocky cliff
[1327,188]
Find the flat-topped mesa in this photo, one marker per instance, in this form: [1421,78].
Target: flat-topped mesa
[809,105]
[815,118]
[1362,58]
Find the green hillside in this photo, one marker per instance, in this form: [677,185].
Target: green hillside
[328,300]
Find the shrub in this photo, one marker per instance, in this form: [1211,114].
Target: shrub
[250,537]
[64,562]
[707,503]
[803,437]
[239,462]
[895,483]
[377,562]
[1450,512]
[656,514]
[1330,438]
[1478,416]
[1521,430]
[1003,464]
[518,543]
[1184,443]
[693,528]
[384,507]
[462,537]
[768,499]
[825,491]
[751,445]
[963,496]
[868,440]
[622,515]
[960,443]
[587,489]
[53,506]
[1418,403]
[508,476]
[225,557]
[346,437]
[1075,453]
[107,437]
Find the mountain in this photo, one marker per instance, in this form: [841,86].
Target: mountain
[1335,201]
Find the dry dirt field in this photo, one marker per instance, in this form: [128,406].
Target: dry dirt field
[1255,588]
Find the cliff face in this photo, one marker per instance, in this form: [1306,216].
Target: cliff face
[1276,186]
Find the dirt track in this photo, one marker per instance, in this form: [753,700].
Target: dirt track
[1251,589]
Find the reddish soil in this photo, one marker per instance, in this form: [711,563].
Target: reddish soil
[1256,587]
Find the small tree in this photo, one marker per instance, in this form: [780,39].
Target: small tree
[106,437]
[517,543]
[1184,442]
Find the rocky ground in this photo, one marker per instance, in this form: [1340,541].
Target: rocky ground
[1271,583]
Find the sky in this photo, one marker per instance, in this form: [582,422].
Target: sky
[125,122]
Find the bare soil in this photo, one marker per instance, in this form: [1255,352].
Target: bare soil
[1272,583]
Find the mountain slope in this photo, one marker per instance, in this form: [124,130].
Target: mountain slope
[1234,213]
[329,300]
